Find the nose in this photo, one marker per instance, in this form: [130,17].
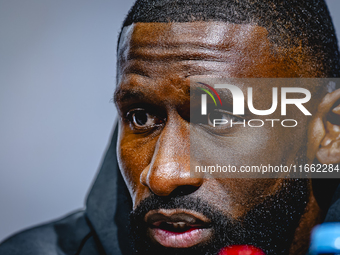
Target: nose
[169,170]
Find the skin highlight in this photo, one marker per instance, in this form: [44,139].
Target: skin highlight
[156,63]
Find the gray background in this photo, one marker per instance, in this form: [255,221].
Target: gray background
[57,76]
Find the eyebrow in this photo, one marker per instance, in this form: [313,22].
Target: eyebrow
[124,96]
[128,95]
[138,93]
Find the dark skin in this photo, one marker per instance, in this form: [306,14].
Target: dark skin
[156,63]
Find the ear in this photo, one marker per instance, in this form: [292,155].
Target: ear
[324,131]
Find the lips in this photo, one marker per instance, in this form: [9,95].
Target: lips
[178,228]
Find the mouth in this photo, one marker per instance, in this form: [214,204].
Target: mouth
[178,228]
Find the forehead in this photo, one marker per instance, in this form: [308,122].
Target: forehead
[204,35]
[192,43]
[154,54]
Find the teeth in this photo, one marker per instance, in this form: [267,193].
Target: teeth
[181,224]
[177,224]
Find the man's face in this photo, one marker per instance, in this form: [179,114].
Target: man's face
[172,210]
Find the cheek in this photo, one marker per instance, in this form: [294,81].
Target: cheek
[242,194]
[134,155]
[244,147]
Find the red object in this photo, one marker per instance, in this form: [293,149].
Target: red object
[241,250]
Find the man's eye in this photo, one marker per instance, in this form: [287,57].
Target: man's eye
[141,119]
[222,119]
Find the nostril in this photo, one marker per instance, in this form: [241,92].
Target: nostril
[183,190]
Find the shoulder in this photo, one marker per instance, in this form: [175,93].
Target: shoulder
[61,237]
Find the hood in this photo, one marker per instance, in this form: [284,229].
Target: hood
[109,203]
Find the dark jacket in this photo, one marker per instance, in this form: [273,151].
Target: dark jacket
[102,227]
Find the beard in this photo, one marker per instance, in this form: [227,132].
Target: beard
[269,225]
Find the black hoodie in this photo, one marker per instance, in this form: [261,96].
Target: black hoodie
[102,227]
